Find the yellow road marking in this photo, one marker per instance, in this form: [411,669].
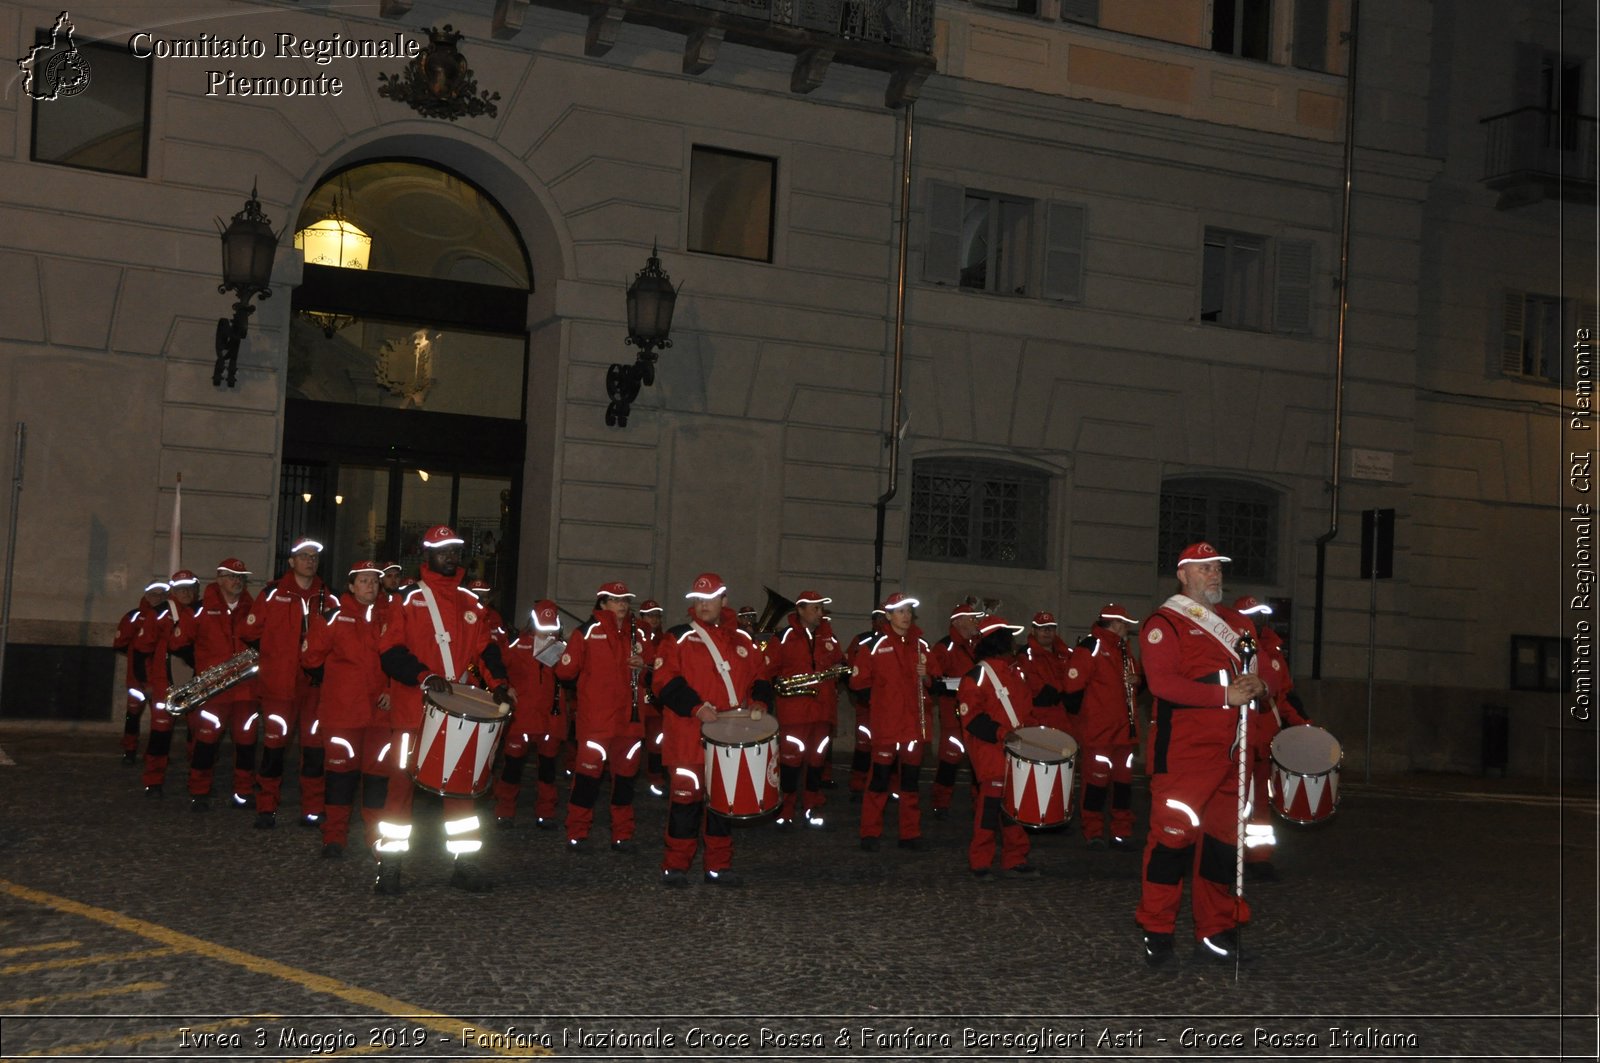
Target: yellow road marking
[80,994]
[84,961]
[48,946]
[86,1047]
[316,983]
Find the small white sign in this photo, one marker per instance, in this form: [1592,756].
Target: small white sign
[1372,464]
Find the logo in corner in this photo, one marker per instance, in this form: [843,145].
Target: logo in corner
[57,69]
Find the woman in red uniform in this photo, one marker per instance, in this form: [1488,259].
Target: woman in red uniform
[992,701]
[894,668]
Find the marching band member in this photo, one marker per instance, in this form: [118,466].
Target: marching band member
[1057,692]
[991,702]
[650,613]
[279,621]
[1107,732]
[136,635]
[431,640]
[1283,710]
[705,667]
[158,746]
[537,725]
[894,667]
[951,659]
[806,646]
[497,626]
[1192,664]
[604,658]
[354,704]
[861,702]
[217,629]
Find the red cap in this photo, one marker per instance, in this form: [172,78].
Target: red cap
[898,600]
[994,622]
[812,598]
[387,565]
[707,585]
[614,589]
[1195,553]
[184,578]
[477,586]
[650,605]
[1043,619]
[157,585]
[746,610]
[1113,611]
[365,566]
[232,566]
[965,609]
[1249,605]
[305,543]
[546,616]
[441,535]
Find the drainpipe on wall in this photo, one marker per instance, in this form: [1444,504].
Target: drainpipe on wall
[899,360]
[1338,358]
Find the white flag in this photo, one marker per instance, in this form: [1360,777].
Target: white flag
[175,533]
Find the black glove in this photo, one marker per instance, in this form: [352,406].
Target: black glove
[314,674]
[501,694]
[1088,642]
[436,684]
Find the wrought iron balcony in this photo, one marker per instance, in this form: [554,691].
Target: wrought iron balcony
[891,35]
[1534,153]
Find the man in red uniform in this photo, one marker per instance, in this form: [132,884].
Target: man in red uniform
[1107,731]
[1044,664]
[894,667]
[180,602]
[1283,710]
[537,724]
[1193,667]
[950,659]
[861,703]
[279,623]
[432,638]
[218,633]
[705,667]
[136,635]
[993,700]
[342,645]
[604,657]
[806,646]
[650,613]
[497,625]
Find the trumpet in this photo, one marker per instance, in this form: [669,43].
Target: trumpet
[793,686]
[213,681]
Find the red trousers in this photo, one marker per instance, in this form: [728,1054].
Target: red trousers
[618,754]
[908,756]
[952,751]
[461,824]
[1107,768]
[158,746]
[988,820]
[281,719]
[1193,828]
[352,752]
[509,785]
[688,821]
[209,723]
[802,747]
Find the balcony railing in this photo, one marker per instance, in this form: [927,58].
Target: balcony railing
[903,24]
[1534,152]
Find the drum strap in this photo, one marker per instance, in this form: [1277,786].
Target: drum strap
[439,632]
[1001,693]
[723,668]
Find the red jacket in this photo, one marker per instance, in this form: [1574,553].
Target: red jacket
[887,667]
[279,622]
[344,643]
[1188,671]
[597,657]
[983,714]
[409,646]
[538,713]
[686,676]
[136,633]
[949,660]
[1054,690]
[798,651]
[1104,719]
[218,633]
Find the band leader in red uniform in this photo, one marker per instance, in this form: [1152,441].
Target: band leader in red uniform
[1192,663]
[708,666]
[894,667]
[992,701]
[538,726]
[1107,730]
[807,646]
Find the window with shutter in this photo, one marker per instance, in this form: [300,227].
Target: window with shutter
[1065,231]
[1511,335]
[1292,298]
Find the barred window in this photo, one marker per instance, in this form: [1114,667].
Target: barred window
[978,512]
[1239,519]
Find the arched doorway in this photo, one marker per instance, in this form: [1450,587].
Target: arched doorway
[407,372]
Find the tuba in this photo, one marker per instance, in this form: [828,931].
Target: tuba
[213,681]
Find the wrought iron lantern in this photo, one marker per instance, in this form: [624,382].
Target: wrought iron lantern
[651,300]
[248,247]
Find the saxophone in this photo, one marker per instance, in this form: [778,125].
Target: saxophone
[803,683]
[213,681]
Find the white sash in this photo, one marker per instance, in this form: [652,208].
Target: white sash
[1001,693]
[439,633]
[1206,620]
[723,668]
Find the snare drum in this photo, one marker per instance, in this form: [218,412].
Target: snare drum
[1305,774]
[742,765]
[455,751]
[1038,782]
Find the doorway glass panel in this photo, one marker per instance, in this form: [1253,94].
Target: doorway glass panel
[361,523]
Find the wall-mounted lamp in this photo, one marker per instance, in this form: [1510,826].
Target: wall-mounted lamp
[248,247]
[335,242]
[651,300]
[305,496]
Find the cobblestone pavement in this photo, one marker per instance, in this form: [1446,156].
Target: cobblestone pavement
[1429,919]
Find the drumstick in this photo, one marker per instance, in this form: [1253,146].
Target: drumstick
[1064,753]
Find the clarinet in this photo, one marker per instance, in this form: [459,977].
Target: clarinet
[1128,690]
[633,673]
[922,698]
